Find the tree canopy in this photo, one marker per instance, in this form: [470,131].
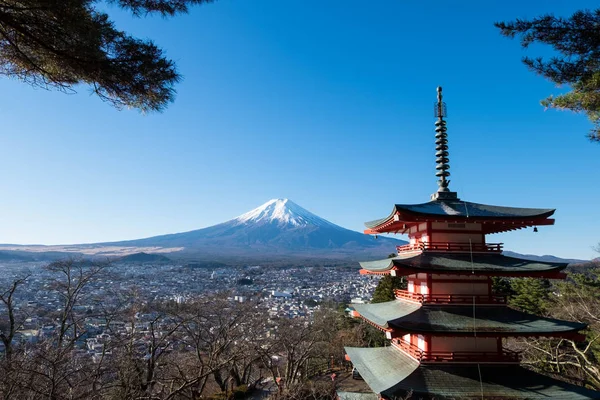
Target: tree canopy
[385,288]
[530,295]
[575,299]
[62,43]
[576,41]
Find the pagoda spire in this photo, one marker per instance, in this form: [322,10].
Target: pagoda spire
[441,147]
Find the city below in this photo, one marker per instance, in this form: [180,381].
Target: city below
[278,291]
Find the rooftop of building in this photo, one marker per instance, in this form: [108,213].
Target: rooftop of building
[391,373]
[406,316]
[457,209]
[491,264]
[445,206]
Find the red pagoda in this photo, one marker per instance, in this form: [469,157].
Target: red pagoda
[447,329]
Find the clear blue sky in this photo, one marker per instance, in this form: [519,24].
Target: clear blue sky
[328,103]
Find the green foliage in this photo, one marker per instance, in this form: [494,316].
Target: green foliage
[373,337]
[385,289]
[501,285]
[576,299]
[241,392]
[530,295]
[311,303]
[62,43]
[577,64]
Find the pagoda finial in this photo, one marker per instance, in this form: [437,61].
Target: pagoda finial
[441,151]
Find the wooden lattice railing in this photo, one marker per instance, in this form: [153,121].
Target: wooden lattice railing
[452,247]
[502,356]
[449,298]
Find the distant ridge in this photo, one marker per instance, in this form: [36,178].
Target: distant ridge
[144,258]
[547,258]
[278,230]
[14,256]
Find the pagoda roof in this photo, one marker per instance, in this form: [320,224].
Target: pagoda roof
[381,367]
[455,263]
[356,396]
[461,211]
[406,316]
[464,209]
[391,373]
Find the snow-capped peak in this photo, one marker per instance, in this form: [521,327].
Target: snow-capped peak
[282,212]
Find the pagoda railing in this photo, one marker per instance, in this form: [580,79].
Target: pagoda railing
[452,246]
[450,298]
[502,356]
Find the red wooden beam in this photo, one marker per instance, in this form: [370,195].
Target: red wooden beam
[489,225]
[367,272]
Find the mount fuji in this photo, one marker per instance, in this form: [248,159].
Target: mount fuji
[279,227]
[279,231]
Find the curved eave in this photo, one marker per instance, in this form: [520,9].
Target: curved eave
[571,334]
[485,381]
[342,395]
[497,219]
[380,313]
[466,209]
[393,374]
[488,321]
[463,263]
[381,367]
[378,266]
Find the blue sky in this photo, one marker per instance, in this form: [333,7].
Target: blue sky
[326,103]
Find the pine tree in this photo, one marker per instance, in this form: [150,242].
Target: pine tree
[577,64]
[502,286]
[385,289]
[62,43]
[530,295]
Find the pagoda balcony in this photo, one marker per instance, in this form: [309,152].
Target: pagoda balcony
[451,247]
[467,299]
[467,357]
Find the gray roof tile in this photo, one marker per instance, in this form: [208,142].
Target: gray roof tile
[391,373]
[457,209]
[447,262]
[481,320]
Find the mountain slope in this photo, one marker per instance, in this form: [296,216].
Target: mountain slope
[277,230]
[546,258]
[278,226]
[140,258]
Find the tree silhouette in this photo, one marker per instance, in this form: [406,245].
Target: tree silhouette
[62,43]
[385,289]
[577,64]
